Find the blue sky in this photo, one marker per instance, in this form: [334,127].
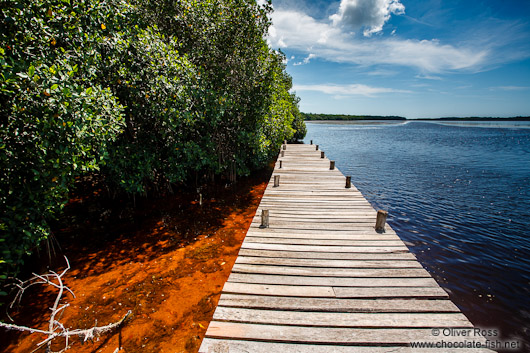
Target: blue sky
[414,58]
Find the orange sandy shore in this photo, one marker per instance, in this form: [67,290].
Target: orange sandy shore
[169,271]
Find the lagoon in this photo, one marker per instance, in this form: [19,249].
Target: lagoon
[458,194]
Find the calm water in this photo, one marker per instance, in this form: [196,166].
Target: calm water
[459,196]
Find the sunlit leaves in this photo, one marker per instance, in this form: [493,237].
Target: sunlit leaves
[148,92]
[56,119]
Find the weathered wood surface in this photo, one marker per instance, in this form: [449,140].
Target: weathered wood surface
[321,279]
[239,346]
[338,305]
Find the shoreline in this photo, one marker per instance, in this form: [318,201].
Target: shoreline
[169,269]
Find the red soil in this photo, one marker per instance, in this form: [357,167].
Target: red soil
[165,260]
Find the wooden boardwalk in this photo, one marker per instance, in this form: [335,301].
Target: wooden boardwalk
[321,279]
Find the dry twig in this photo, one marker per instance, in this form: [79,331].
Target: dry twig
[55,328]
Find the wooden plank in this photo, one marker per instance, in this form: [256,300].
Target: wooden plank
[327,255]
[320,223]
[279,290]
[343,232]
[297,213]
[381,292]
[316,174]
[281,222]
[322,217]
[323,208]
[328,263]
[315,234]
[317,202]
[327,242]
[254,233]
[334,319]
[299,210]
[319,226]
[290,190]
[304,198]
[316,183]
[334,281]
[331,272]
[323,335]
[213,345]
[335,190]
[345,196]
[338,305]
[324,248]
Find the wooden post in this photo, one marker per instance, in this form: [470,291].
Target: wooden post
[348,182]
[281,164]
[311,142]
[331,165]
[380,221]
[264,219]
[200,199]
[316,149]
[283,153]
[276,181]
[284,147]
[284,142]
[322,154]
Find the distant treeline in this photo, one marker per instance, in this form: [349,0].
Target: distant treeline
[476,118]
[312,116]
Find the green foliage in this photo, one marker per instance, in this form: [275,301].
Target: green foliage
[149,93]
[299,127]
[277,124]
[55,119]
[224,40]
[157,85]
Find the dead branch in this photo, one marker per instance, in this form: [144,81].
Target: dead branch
[55,328]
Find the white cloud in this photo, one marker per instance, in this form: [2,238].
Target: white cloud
[429,77]
[309,57]
[370,14]
[303,34]
[274,39]
[305,61]
[348,90]
[509,88]
[298,30]
[382,72]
